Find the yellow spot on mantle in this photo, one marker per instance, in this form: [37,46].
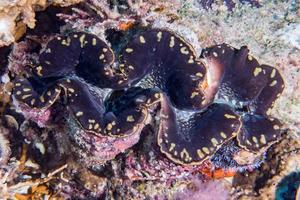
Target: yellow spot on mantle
[32,102]
[96,126]
[191,60]
[157,95]
[94,41]
[228,116]
[159,36]
[275,127]
[206,150]
[92,121]
[223,135]
[109,126]
[66,42]
[39,70]
[142,39]
[172,146]
[26,89]
[194,94]
[248,142]
[214,141]
[183,50]
[263,139]
[254,139]
[81,39]
[273,73]
[131,67]
[172,42]
[200,153]
[71,90]
[129,50]
[130,118]
[79,113]
[42,99]
[257,70]
[199,74]
[26,96]
[184,154]
[274,82]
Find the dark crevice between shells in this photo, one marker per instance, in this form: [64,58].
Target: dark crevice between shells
[4,52]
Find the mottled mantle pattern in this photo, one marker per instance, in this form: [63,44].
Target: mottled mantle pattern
[158,74]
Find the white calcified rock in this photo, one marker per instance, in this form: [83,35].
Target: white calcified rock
[291,35]
[15,14]
[7,26]
[4,146]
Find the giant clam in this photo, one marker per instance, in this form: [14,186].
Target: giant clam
[200,103]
